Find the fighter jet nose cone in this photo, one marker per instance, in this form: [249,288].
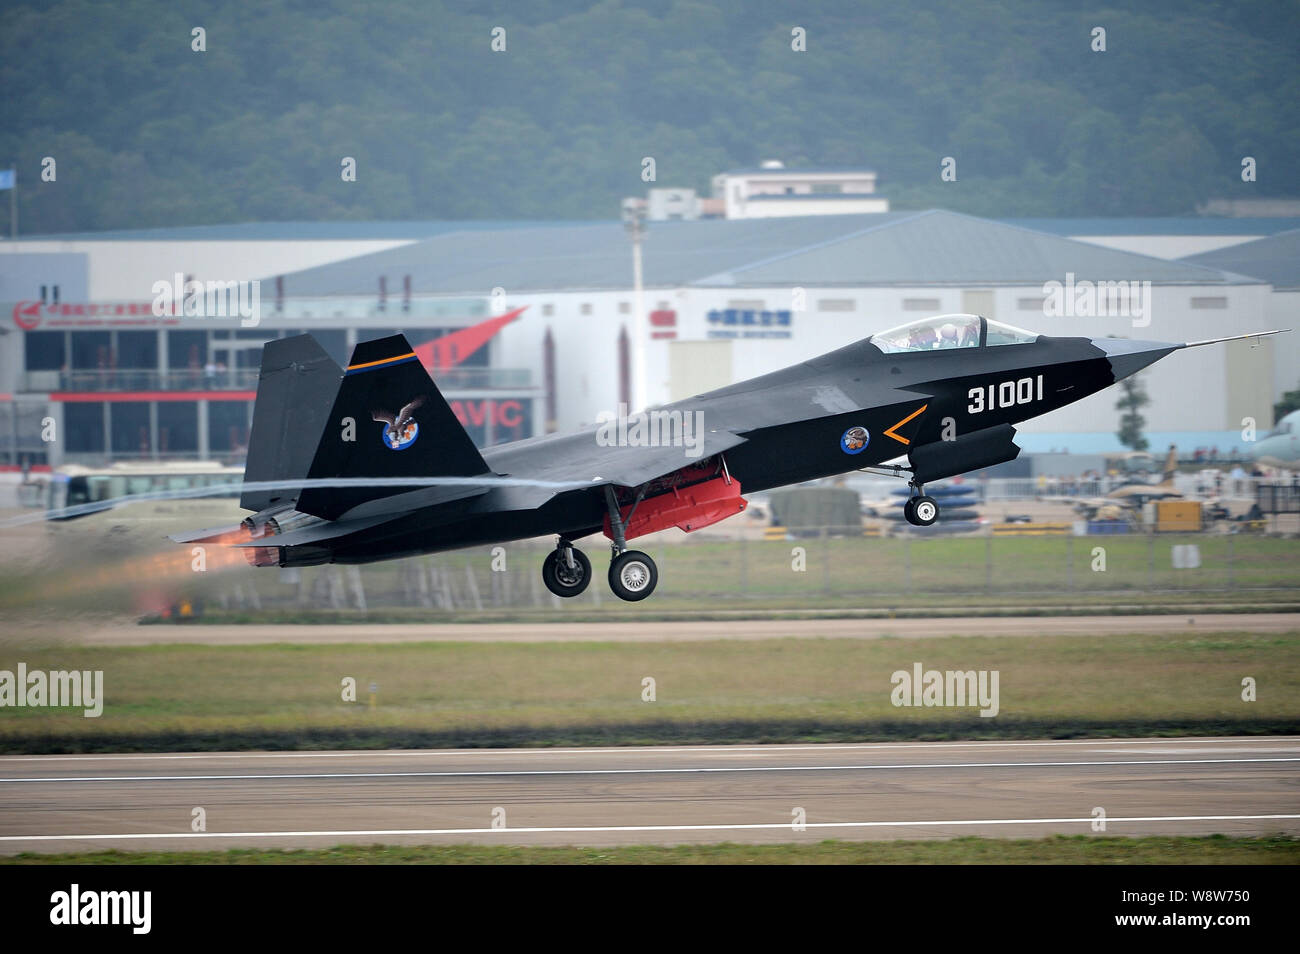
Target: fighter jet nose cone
[1128,357]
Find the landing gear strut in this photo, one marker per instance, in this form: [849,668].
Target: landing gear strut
[566,571]
[632,574]
[920,510]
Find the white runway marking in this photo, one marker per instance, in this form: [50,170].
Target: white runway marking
[387,832]
[682,749]
[632,771]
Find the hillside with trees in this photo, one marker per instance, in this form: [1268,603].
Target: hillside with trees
[147,132]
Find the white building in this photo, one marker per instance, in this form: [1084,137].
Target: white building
[772,190]
[729,299]
[1276,260]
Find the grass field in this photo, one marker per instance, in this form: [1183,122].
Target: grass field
[1058,850]
[456,694]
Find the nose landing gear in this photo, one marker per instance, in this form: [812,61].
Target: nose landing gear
[566,571]
[920,510]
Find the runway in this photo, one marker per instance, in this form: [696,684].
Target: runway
[679,630]
[661,795]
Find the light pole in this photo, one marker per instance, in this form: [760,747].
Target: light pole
[634,222]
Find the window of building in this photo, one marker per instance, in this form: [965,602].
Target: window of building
[83,427]
[227,426]
[187,350]
[90,349]
[1217,301]
[586,308]
[137,349]
[624,308]
[43,350]
[921,304]
[548,309]
[178,427]
[835,304]
[130,426]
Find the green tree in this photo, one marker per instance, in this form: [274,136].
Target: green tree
[1133,397]
[1290,402]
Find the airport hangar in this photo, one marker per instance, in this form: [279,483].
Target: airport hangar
[723,300]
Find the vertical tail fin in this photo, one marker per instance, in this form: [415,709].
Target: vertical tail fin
[388,420]
[294,392]
[1171,466]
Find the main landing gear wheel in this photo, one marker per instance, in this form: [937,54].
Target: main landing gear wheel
[633,575]
[566,571]
[921,511]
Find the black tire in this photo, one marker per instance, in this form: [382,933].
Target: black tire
[633,575]
[925,511]
[909,511]
[563,580]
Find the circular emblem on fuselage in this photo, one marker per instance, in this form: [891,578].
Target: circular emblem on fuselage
[401,437]
[855,440]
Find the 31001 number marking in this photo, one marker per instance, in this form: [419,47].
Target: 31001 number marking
[1006,394]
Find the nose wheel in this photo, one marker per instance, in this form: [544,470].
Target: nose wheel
[920,510]
[566,571]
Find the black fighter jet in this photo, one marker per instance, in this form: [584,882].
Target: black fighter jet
[331,449]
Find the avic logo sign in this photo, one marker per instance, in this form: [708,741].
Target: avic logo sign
[27,315]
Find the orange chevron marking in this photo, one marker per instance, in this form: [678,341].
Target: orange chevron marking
[904,440]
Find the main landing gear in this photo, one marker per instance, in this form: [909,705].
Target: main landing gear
[633,576]
[920,510]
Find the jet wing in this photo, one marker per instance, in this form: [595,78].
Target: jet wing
[580,462]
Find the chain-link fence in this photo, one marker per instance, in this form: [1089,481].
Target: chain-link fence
[816,571]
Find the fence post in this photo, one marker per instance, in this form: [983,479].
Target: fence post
[1069,561]
[988,563]
[907,562]
[744,564]
[1151,559]
[1232,561]
[826,561]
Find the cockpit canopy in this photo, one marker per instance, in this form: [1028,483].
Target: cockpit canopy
[949,331]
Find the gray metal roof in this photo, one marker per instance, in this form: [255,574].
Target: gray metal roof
[1158,225]
[890,248]
[1275,259]
[288,231]
[938,247]
[592,256]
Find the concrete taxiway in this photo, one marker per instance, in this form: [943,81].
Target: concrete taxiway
[665,795]
[675,630]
